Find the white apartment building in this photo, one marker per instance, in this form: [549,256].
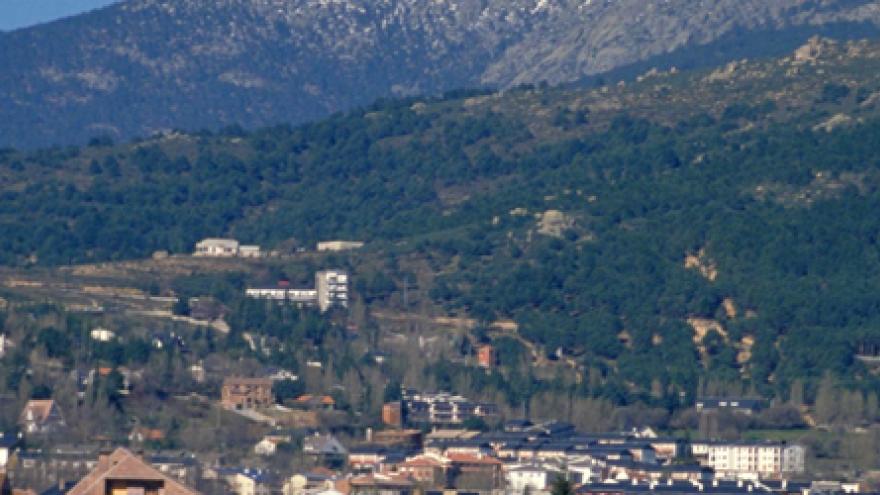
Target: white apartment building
[332,287]
[772,460]
[303,297]
[534,479]
[331,290]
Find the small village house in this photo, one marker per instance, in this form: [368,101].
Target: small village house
[41,417]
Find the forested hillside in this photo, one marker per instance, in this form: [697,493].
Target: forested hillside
[709,225]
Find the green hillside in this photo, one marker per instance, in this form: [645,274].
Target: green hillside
[616,225]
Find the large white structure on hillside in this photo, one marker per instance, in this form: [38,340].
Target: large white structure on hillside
[226,248]
[331,290]
[332,287]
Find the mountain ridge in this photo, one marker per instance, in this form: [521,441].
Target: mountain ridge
[143,66]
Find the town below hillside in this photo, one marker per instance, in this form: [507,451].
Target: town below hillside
[667,284]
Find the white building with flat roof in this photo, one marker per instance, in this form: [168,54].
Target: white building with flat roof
[250,251]
[339,245]
[218,248]
[773,460]
[332,287]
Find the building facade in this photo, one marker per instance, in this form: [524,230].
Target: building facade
[217,248]
[246,393]
[443,408]
[772,460]
[332,287]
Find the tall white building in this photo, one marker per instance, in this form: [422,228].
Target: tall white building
[752,459]
[332,287]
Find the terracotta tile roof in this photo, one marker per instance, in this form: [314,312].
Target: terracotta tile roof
[422,462]
[473,459]
[122,465]
[39,409]
[381,480]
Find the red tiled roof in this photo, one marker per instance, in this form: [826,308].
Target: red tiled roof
[123,465]
[473,459]
[422,462]
[40,409]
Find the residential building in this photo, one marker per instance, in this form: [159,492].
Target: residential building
[249,251]
[8,442]
[217,248]
[486,356]
[183,467]
[339,245]
[403,438]
[732,404]
[529,478]
[443,408]
[381,484]
[392,414]
[101,334]
[246,393]
[298,297]
[427,469]
[252,482]
[315,402]
[269,444]
[41,417]
[324,447]
[476,472]
[141,434]
[122,472]
[671,487]
[370,457]
[332,287]
[331,290]
[772,460]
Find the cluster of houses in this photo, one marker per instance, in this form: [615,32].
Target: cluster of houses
[521,457]
[443,456]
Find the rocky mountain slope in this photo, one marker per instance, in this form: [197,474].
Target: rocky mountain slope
[143,66]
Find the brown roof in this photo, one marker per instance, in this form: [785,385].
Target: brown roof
[234,380]
[122,465]
[149,433]
[472,459]
[41,409]
[422,462]
[380,480]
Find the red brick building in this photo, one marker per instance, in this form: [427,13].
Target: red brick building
[392,414]
[246,393]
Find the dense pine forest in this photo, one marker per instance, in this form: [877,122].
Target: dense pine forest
[661,233]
